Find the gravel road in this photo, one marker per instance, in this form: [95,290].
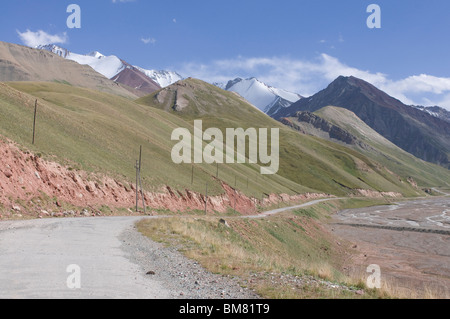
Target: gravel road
[114,260]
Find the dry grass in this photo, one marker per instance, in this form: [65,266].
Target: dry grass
[269,255]
[288,256]
[404,289]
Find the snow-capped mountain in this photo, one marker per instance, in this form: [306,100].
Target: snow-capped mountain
[163,78]
[111,66]
[261,95]
[55,49]
[435,111]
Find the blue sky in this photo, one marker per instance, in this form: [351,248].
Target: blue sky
[297,45]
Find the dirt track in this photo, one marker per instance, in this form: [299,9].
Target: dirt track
[405,240]
[113,258]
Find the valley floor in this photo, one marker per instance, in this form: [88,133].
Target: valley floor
[410,241]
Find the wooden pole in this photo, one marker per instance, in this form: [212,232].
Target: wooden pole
[192,175]
[206,200]
[235,194]
[137,186]
[140,181]
[34,121]
[235,198]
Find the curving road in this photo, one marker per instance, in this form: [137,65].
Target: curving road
[113,257]
[35,255]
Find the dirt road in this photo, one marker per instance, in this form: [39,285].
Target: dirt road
[408,240]
[113,260]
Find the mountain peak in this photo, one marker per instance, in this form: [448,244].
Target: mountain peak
[62,52]
[96,54]
[413,130]
[261,95]
[163,78]
[231,83]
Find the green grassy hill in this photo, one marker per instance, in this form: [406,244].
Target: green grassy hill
[385,152]
[99,132]
[313,162]
[21,63]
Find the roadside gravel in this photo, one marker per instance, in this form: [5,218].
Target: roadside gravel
[115,260]
[184,278]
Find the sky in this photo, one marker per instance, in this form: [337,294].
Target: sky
[298,45]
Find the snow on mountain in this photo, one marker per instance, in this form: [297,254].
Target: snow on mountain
[435,111]
[163,78]
[96,55]
[261,95]
[55,49]
[223,86]
[111,66]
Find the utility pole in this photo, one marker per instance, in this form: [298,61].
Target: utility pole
[140,181]
[235,193]
[235,198]
[206,200]
[34,121]
[137,186]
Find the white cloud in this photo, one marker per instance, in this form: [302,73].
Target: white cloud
[117,1]
[307,77]
[33,39]
[148,40]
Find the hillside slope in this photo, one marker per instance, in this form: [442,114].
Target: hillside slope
[20,63]
[343,126]
[312,162]
[417,132]
[101,133]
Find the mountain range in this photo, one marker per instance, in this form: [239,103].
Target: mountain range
[21,63]
[435,111]
[265,97]
[118,70]
[312,162]
[414,130]
[96,124]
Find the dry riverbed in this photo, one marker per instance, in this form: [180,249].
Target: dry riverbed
[410,241]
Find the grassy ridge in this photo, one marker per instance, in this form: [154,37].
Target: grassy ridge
[383,151]
[306,160]
[99,132]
